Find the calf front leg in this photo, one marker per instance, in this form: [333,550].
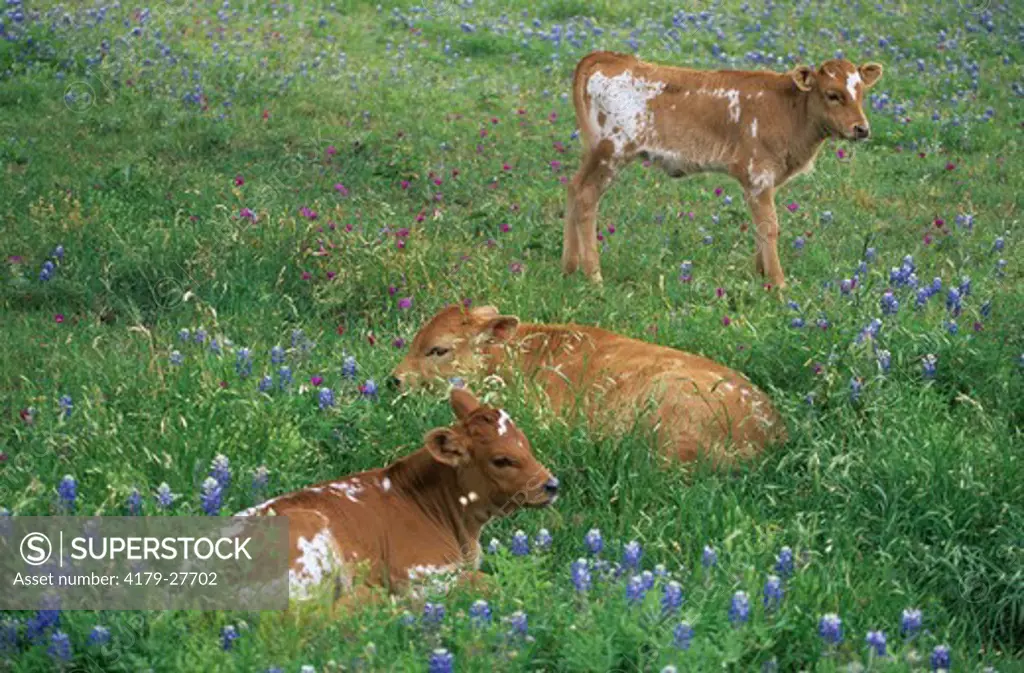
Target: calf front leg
[584,192]
[766,231]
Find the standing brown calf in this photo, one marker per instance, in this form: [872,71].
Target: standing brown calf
[762,128]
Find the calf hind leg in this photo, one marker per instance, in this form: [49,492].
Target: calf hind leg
[584,192]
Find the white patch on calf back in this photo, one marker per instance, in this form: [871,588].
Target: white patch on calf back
[852,80]
[504,420]
[318,559]
[624,101]
[734,100]
[349,489]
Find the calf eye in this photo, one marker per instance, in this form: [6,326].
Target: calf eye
[437,351]
[503,461]
[835,97]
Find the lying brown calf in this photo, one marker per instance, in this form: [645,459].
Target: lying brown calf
[418,519]
[699,406]
[761,128]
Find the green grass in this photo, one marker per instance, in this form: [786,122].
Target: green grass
[911,496]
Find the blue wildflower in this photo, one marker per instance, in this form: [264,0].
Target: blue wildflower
[58,252]
[635,590]
[518,623]
[797,323]
[99,636]
[176,358]
[266,383]
[134,502]
[682,636]
[543,540]
[799,242]
[297,337]
[940,658]
[46,272]
[739,608]
[480,613]
[37,626]
[580,575]
[671,597]
[326,398]
[845,286]
[773,593]
[164,497]
[284,377]
[243,362]
[952,327]
[67,489]
[855,388]
[889,303]
[928,366]
[884,360]
[433,613]
[349,367]
[441,661]
[183,334]
[870,254]
[520,545]
[965,286]
[369,389]
[999,244]
[60,646]
[876,642]
[910,622]
[631,554]
[66,405]
[220,469]
[210,496]
[594,541]
[826,217]
[709,558]
[830,628]
[8,635]
[260,477]
[276,355]
[228,636]
[200,336]
[784,562]
[923,295]
[494,546]
[686,271]
[953,302]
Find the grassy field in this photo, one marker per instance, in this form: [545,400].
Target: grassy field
[181,182]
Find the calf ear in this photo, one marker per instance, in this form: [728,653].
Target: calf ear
[803,77]
[484,312]
[463,403]
[870,73]
[445,447]
[500,329]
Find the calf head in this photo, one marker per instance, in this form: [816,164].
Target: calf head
[455,342]
[494,464]
[836,91]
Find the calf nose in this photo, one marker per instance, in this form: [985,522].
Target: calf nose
[551,487]
[861,131]
[394,383]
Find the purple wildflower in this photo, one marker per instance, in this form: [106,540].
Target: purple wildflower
[830,628]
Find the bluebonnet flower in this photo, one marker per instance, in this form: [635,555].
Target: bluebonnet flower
[660,570]
[870,254]
[164,497]
[784,562]
[243,362]
[797,323]
[594,541]
[580,575]
[709,558]
[349,367]
[965,220]
[200,336]
[739,608]
[176,358]
[228,636]
[326,398]
[884,360]
[210,496]
[876,642]
[8,635]
[923,295]
[520,545]
[369,389]
[284,377]
[183,334]
[999,244]
[682,636]
[297,337]
[433,613]
[686,271]
[940,658]
[826,217]
[965,286]
[1001,267]
[928,365]
[66,405]
[58,252]
[46,272]
[493,546]
[910,622]
[134,502]
[671,597]
[518,623]
[773,593]
[862,269]
[845,286]
[276,355]
[37,626]
[60,646]
[260,477]
[67,489]
[855,388]
[543,540]
[822,322]
[799,242]
[986,309]
[793,305]
[889,303]
[407,619]
[830,628]
[480,613]
[441,661]
[631,554]
[100,635]
[953,302]
[870,331]
[635,590]
[220,469]
[647,578]
[266,383]
[952,327]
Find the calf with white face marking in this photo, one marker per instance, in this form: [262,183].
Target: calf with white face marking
[762,128]
[417,520]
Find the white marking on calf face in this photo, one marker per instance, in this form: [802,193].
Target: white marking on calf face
[623,99]
[463,500]
[318,559]
[385,484]
[504,420]
[852,80]
[473,497]
[753,128]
